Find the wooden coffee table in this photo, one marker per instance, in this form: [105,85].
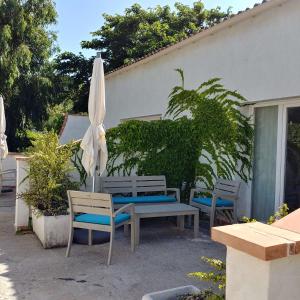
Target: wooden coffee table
[166,210]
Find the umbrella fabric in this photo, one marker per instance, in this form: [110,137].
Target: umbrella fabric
[3,144]
[94,140]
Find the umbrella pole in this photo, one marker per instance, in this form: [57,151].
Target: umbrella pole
[93,183]
[1,178]
[94,176]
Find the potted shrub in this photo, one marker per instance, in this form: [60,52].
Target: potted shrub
[49,179]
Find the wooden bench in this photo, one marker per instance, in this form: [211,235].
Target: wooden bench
[139,190]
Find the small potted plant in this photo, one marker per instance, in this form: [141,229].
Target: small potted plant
[49,179]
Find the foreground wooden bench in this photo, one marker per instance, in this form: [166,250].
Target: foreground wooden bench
[139,190]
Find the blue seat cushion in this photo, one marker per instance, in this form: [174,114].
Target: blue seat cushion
[207,201]
[143,199]
[101,219]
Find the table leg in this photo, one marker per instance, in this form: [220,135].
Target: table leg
[196,224]
[126,229]
[180,222]
[137,230]
[90,237]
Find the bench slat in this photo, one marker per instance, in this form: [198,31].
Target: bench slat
[151,183]
[86,195]
[141,178]
[118,190]
[91,210]
[91,202]
[117,184]
[150,189]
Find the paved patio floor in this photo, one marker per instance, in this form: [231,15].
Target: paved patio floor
[27,271]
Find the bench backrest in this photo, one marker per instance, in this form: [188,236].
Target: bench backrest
[90,203]
[133,184]
[227,189]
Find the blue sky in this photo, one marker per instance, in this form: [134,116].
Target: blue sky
[77,18]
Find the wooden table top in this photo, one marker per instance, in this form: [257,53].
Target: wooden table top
[165,208]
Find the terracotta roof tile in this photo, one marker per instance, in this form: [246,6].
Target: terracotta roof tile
[189,36]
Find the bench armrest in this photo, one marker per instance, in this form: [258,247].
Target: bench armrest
[126,208]
[176,190]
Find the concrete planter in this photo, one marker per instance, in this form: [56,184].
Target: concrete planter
[51,231]
[171,294]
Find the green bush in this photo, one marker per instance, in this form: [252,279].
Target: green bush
[48,175]
[217,276]
[282,211]
[153,148]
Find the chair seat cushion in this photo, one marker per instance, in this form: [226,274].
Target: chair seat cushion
[101,219]
[144,199]
[207,202]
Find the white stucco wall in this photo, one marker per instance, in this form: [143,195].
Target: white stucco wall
[248,277]
[9,162]
[259,57]
[74,129]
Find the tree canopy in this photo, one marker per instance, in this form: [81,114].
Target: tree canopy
[126,37]
[38,89]
[26,45]
[137,32]
[75,71]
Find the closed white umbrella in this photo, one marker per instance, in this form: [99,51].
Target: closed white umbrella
[3,144]
[94,142]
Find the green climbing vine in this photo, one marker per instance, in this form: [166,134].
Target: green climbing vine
[206,136]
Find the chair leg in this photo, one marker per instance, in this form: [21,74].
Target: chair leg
[212,217]
[112,233]
[90,237]
[137,231]
[126,229]
[180,223]
[132,229]
[213,211]
[71,233]
[235,219]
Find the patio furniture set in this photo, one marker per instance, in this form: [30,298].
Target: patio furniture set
[124,201]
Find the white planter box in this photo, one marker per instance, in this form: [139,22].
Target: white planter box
[171,294]
[51,231]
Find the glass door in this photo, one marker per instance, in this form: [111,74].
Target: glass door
[264,165]
[292,159]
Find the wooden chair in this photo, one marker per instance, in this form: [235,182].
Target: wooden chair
[94,211]
[223,199]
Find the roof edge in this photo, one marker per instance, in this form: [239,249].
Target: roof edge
[234,19]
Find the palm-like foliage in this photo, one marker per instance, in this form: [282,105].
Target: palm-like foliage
[224,134]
